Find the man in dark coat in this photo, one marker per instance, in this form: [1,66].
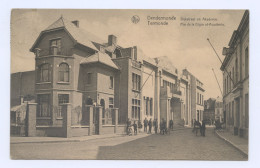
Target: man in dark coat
[135,128]
[128,125]
[150,124]
[145,125]
[155,123]
[171,124]
[203,128]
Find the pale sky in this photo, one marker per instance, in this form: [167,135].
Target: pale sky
[185,46]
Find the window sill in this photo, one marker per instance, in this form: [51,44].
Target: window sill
[59,118]
[63,83]
[43,118]
[41,83]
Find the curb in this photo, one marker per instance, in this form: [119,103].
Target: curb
[232,144]
[75,140]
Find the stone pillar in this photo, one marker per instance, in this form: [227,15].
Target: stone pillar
[115,111]
[66,112]
[90,110]
[99,110]
[31,119]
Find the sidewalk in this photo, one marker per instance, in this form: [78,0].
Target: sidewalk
[18,140]
[239,143]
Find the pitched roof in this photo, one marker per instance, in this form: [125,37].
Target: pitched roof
[99,57]
[78,34]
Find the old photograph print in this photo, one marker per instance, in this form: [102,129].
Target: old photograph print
[103,84]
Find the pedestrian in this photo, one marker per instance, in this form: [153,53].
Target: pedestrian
[203,128]
[164,127]
[135,128]
[171,124]
[150,124]
[155,125]
[198,127]
[128,125]
[145,124]
[139,125]
[161,126]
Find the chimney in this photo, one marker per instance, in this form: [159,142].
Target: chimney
[75,22]
[112,40]
[22,100]
[134,53]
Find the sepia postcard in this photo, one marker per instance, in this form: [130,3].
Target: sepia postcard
[129,84]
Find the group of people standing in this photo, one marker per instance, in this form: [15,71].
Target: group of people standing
[148,124]
[199,126]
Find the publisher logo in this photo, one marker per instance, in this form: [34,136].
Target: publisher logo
[135,19]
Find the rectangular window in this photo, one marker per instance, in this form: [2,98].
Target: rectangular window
[135,109]
[111,102]
[246,62]
[230,81]
[63,99]
[225,86]
[89,78]
[233,77]
[55,47]
[247,111]
[136,82]
[151,106]
[43,106]
[236,71]
[44,73]
[111,82]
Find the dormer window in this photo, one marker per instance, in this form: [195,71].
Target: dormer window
[55,47]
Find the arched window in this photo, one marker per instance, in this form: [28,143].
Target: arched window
[64,72]
[44,73]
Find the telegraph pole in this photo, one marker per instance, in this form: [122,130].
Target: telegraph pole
[220,61]
[217,81]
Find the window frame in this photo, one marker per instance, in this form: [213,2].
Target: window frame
[59,114]
[111,85]
[57,44]
[66,70]
[89,78]
[136,109]
[43,100]
[41,70]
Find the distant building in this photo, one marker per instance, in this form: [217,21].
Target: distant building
[219,115]
[209,111]
[213,110]
[197,96]
[235,69]
[22,87]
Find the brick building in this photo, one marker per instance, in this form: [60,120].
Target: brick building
[235,69]
[94,86]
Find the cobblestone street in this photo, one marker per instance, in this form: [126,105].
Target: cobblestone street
[179,145]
